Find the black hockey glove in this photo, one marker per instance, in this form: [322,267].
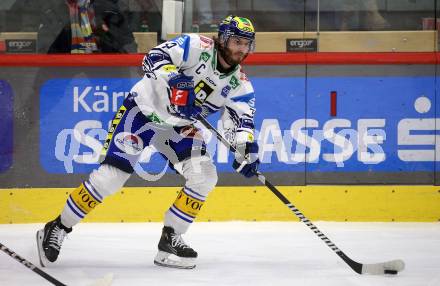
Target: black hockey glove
[246,165]
[183,97]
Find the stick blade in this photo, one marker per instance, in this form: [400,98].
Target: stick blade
[390,267]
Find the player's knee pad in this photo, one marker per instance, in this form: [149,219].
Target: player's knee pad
[200,174]
[108,179]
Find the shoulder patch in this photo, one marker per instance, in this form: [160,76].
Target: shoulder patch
[243,77]
[234,82]
[226,90]
[206,42]
[204,56]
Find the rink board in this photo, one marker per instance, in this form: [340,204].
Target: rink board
[327,203]
[301,142]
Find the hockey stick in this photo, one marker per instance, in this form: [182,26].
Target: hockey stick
[30,265]
[389,267]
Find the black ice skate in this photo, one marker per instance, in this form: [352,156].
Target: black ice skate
[49,241]
[174,252]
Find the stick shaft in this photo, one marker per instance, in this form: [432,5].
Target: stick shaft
[30,265]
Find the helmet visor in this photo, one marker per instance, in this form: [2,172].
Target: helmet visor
[241,43]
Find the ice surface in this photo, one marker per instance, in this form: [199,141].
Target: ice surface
[232,253]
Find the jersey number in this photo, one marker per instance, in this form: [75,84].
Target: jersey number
[169,45]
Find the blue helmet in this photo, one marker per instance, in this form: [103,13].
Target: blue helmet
[239,27]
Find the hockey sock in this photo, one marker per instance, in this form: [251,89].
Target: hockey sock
[184,210]
[79,203]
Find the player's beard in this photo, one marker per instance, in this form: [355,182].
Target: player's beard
[231,58]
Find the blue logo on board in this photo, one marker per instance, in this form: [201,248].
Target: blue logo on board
[6,126]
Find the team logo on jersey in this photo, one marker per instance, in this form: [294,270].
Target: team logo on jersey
[225,91]
[205,56]
[202,91]
[234,82]
[129,143]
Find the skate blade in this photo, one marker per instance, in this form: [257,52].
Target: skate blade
[173,261]
[43,260]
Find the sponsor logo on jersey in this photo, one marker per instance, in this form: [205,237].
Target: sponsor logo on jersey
[112,128]
[129,143]
[226,90]
[211,81]
[185,84]
[205,56]
[153,117]
[234,82]
[243,76]
[169,68]
[202,91]
[179,97]
[172,74]
[206,42]
[120,112]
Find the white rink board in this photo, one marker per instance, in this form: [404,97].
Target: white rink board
[232,253]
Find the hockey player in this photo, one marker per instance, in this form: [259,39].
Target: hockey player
[186,77]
